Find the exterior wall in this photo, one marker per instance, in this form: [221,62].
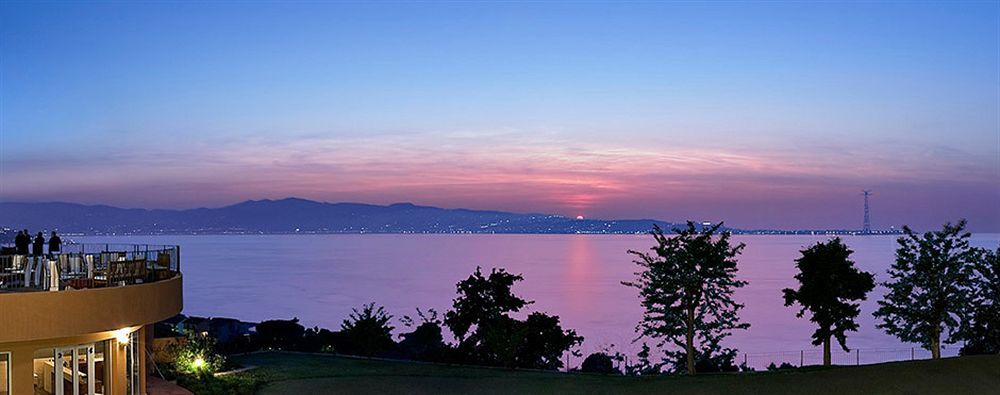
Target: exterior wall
[28,316]
[42,320]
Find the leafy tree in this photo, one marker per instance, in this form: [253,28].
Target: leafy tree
[544,342]
[280,334]
[931,287]
[487,334]
[982,334]
[483,299]
[686,286]
[367,332]
[828,284]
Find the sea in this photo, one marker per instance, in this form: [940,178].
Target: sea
[319,279]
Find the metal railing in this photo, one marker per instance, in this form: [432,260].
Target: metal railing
[80,266]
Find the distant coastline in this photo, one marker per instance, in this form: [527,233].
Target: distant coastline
[300,216]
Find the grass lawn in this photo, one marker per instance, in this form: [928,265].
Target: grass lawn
[289,373]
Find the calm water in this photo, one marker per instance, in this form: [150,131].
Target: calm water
[319,278]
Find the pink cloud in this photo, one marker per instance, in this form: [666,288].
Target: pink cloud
[508,171]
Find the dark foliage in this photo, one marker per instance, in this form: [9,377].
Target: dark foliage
[544,342]
[783,366]
[931,287]
[367,332]
[716,363]
[686,286]
[280,334]
[982,332]
[425,342]
[318,339]
[487,335]
[828,284]
[235,384]
[599,362]
[482,299]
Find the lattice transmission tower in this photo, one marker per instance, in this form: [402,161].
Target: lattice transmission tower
[868,221]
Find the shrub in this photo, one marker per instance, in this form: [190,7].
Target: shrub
[196,355]
[599,362]
[245,383]
[280,334]
[426,342]
[783,366]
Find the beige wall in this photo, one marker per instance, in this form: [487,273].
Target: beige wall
[28,316]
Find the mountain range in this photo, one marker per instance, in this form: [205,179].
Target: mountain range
[294,215]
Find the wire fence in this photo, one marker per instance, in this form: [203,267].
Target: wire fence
[858,356]
[758,361]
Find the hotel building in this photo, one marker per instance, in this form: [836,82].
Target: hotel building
[80,322]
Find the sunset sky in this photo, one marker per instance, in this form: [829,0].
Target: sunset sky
[765,115]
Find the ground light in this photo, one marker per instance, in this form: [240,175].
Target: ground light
[198,363]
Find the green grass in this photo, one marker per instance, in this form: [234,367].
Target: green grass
[289,373]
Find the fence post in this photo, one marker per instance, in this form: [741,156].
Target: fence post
[911,354]
[802,358]
[857,356]
[745,360]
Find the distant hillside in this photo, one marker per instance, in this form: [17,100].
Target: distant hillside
[299,215]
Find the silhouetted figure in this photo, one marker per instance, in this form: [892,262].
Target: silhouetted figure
[21,242]
[38,248]
[55,244]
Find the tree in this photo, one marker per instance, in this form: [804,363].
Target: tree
[367,332]
[482,299]
[488,335]
[982,333]
[686,286]
[828,284]
[930,290]
[544,342]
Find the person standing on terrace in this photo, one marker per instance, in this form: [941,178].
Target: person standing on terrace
[21,242]
[38,248]
[55,244]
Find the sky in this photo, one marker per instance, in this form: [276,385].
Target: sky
[759,114]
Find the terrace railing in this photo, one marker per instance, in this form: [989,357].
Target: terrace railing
[80,266]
